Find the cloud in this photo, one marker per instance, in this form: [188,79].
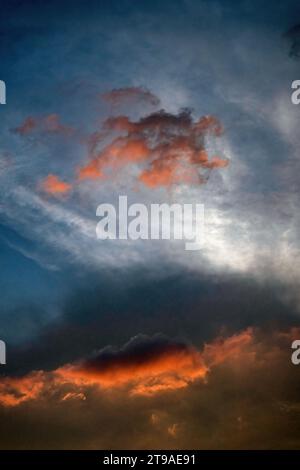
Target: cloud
[221,408]
[50,124]
[170,148]
[164,148]
[144,366]
[251,403]
[148,365]
[26,127]
[293,36]
[129,95]
[54,186]
[15,391]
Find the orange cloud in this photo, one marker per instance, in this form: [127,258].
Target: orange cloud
[230,348]
[167,172]
[90,171]
[168,148]
[144,366]
[50,124]
[115,155]
[54,186]
[27,126]
[154,368]
[16,390]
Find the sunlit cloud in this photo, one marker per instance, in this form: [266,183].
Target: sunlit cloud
[144,366]
[54,186]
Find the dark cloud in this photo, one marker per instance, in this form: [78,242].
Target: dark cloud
[118,307]
[293,36]
[140,350]
[130,95]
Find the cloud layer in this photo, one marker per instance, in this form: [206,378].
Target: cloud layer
[157,392]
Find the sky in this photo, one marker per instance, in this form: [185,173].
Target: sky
[122,344]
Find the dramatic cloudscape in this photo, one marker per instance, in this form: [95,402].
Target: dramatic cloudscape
[143,344]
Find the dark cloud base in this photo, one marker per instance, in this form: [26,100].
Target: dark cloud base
[242,405]
[182,305]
